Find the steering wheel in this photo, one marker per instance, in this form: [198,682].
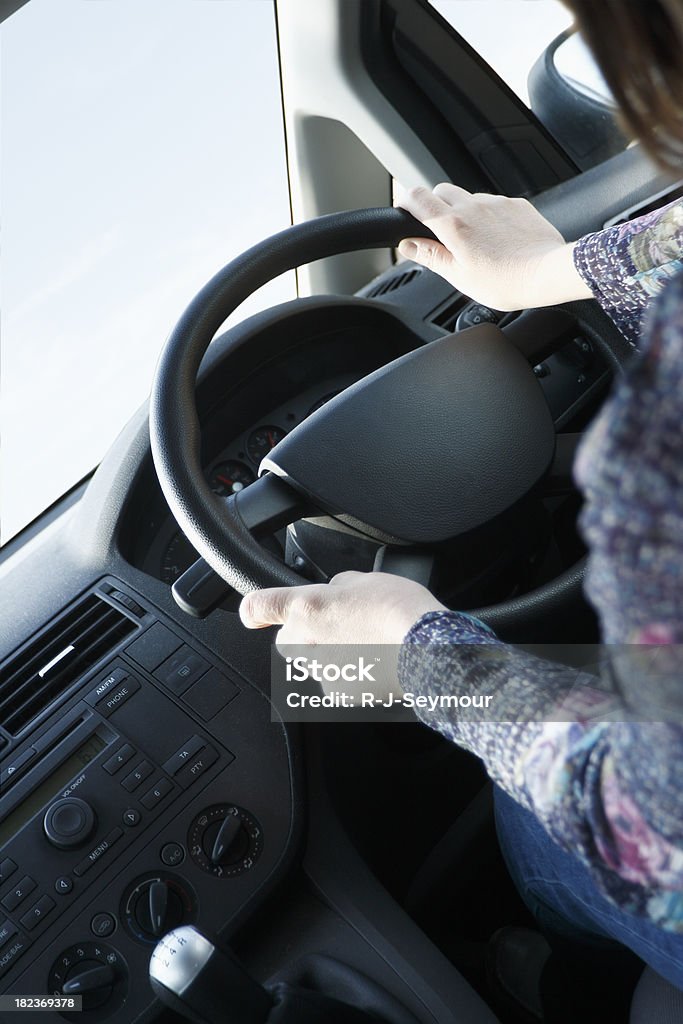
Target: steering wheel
[463,418]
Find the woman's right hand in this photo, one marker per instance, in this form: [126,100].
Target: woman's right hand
[498,251]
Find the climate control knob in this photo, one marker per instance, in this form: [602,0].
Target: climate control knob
[225,840]
[69,822]
[94,971]
[155,904]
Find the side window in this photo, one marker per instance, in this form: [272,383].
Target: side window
[531,45]
[142,149]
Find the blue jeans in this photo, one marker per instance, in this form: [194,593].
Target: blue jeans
[567,904]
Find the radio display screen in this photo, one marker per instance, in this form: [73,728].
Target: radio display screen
[59,778]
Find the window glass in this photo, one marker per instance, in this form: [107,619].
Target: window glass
[530,45]
[142,148]
[509,34]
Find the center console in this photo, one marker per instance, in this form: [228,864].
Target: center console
[146,789]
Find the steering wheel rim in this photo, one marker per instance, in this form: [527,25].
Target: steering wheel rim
[217,529]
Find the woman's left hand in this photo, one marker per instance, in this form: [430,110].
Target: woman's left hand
[353,608]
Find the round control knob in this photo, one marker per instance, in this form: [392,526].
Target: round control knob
[94,971]
[69,822]
[153,905]
[225,840]
[90,979]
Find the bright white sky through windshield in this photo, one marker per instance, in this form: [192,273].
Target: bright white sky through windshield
[142,148]
[509,34]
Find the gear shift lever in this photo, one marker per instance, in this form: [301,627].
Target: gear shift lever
[208,985]
[205,984]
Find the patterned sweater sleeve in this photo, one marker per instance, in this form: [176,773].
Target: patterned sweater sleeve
[627,265]
[597,765]
[606,791]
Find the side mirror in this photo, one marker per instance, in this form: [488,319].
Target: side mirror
[571,99]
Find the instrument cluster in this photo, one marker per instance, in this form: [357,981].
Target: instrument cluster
[235,468]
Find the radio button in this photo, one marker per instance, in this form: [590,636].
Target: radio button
[35,915]
[181,670]
[19,893]
[63,885]
[117,696]
[156,794]
[69,822]
[137,776]
[184,754]
[97,852]
[197,766]
[117,760]
[7,930]
[9,956]
[107,683]
[7,868]
[131,817]
[15,766]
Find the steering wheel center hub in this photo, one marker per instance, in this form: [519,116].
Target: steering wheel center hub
[433,445]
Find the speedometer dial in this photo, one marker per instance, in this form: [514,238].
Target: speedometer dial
[262,440]
[230,477]
[225,479]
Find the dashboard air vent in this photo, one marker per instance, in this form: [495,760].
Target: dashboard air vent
[391,284]
[43,671]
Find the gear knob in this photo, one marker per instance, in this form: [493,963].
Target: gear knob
[203,983]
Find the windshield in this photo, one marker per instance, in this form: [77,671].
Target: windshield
[142,148]
[493,28]
[531,46]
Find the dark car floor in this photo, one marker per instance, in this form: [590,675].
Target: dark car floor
[420,811]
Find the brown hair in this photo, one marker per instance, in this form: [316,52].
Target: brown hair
[638,45]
